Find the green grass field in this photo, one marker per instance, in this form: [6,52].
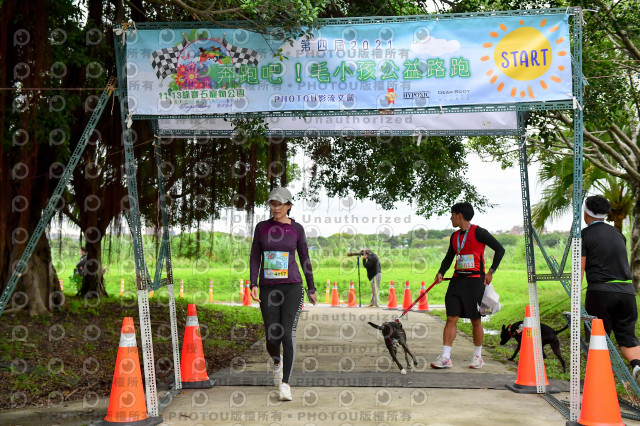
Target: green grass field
[227,267]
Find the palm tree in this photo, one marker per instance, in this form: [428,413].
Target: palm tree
[557,174]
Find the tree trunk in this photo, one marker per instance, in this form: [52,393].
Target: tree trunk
[25,180]
[93,281]
[635,239]
[36,288]
[617,216]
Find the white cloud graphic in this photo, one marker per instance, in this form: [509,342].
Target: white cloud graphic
[435,47]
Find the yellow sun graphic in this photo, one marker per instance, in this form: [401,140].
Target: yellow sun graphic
[522,54]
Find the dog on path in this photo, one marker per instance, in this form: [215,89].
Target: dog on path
[394,336]
[549,336]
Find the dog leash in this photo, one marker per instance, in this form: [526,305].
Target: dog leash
[420,297]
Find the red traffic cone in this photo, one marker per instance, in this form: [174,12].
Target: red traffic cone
[423,304]
[599,399]
[526,378]
[406,299]
[351,303]
[193,367]
[246,298]
[335,298]
[393,302]
[126,402]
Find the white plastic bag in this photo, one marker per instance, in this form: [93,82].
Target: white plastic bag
[490,301]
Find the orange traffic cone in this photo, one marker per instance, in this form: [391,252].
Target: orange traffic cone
[423,304]
[406,300]
[126,402]
[599,399]
[526,378]
[246,298]
[327,297]
[352,300]
[193,368]
[335,299]
[393,302]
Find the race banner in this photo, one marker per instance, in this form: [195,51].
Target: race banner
[505,122]
[482,60]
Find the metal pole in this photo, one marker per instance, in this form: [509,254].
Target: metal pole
[151,391]
[577,213]
[531,267]
[359,295]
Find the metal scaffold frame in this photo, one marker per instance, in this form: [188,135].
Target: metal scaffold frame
[144,283]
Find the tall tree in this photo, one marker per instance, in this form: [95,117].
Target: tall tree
[46,45]
[430,175]
[556,173]
[30,108]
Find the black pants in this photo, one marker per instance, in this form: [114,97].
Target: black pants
[281,305]
[618,312]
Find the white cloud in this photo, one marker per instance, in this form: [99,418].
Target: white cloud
[435,47]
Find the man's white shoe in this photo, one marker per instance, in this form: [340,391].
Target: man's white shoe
[285,392]
[277,375]
[636,374]
[442,362]
[476,362]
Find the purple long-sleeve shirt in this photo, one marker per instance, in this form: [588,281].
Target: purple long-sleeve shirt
[273,254]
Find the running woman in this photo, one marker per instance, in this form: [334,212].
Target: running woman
[277,285]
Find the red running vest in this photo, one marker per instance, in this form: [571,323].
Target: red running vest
[471,247]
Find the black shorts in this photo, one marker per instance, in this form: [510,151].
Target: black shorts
[618,312]
[463,297]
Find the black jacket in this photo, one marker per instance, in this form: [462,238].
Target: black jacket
[83,260]
[372,264]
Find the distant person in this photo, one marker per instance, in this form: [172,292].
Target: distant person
[277,285]
[466,288]
[81,265]
[610,291]
[374,273]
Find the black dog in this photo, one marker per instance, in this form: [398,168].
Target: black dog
[549,336]
[394,335]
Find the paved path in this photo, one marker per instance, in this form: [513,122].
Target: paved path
[343,376]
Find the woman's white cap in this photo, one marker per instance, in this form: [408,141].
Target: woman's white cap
[281,194]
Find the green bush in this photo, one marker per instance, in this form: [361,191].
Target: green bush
[508,239]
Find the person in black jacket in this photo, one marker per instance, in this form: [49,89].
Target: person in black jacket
[374,273]
[80,266]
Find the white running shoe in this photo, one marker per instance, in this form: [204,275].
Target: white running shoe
[442,362]
[277,374]
[285,392]
[476,362]
[636,374]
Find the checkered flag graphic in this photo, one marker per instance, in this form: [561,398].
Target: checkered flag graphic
[164,61]
[241,55]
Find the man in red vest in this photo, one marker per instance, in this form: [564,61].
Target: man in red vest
[466,287]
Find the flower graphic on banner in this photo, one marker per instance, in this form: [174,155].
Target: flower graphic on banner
[197,62]
[524,55]
[188,77]
[199,66]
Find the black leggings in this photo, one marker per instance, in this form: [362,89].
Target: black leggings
[280,305]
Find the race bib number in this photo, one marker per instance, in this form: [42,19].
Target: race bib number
[276,264]
[465,261]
